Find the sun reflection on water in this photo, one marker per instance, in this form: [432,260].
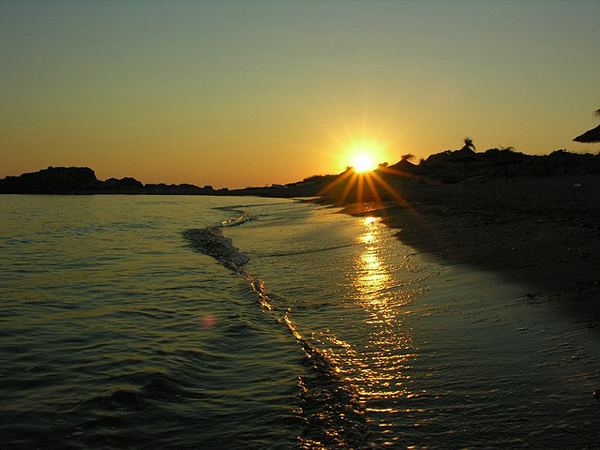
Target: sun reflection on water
[380,366]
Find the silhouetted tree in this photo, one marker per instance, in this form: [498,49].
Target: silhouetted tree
[468,144]
[465,155]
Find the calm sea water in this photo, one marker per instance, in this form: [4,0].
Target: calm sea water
[140,322]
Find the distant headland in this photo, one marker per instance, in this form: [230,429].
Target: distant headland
[449,167]
[82,180]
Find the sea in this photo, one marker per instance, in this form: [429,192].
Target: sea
[198,322]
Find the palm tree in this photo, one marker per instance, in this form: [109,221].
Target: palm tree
[468,144]
[465,154]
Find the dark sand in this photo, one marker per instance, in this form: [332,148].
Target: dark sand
[541,232]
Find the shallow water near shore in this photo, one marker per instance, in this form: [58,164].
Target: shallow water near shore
[140,322]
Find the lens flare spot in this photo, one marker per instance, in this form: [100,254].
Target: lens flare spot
[208,322]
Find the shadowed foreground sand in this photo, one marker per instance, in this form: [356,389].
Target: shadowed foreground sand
[542,232]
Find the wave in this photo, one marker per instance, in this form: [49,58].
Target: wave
[330,408]
[212,242]
[244,216]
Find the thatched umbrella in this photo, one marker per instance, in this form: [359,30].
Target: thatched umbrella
[404,167]
[590,136]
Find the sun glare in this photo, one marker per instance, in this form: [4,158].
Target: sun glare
[363,163]
[365,177]
[363,155]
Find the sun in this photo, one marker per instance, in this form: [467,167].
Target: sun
[363,162]
[363,155]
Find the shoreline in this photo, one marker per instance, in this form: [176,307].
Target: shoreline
[543,233]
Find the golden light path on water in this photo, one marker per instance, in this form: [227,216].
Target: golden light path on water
[380,365]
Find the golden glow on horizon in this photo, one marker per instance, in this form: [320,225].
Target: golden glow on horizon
[221,119]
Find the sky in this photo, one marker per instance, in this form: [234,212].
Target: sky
[258,92]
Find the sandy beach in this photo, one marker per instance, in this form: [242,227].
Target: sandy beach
[541,232]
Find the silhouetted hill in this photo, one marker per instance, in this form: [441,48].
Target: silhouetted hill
[53,180]
[82,180]
[450,167]
[124,184]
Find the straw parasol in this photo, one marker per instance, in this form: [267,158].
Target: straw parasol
[405,168]
[590,136]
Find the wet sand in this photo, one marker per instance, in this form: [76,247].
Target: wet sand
[541,232]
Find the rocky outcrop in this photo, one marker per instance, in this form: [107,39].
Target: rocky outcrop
[126,184]
[53,180]
[82,180]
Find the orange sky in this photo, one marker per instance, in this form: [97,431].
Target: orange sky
[240,93]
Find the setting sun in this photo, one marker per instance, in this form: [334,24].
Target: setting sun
[363,163]
[364,155]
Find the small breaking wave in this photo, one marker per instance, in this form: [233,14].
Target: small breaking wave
[330,408]
[212,242]
[243,217]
